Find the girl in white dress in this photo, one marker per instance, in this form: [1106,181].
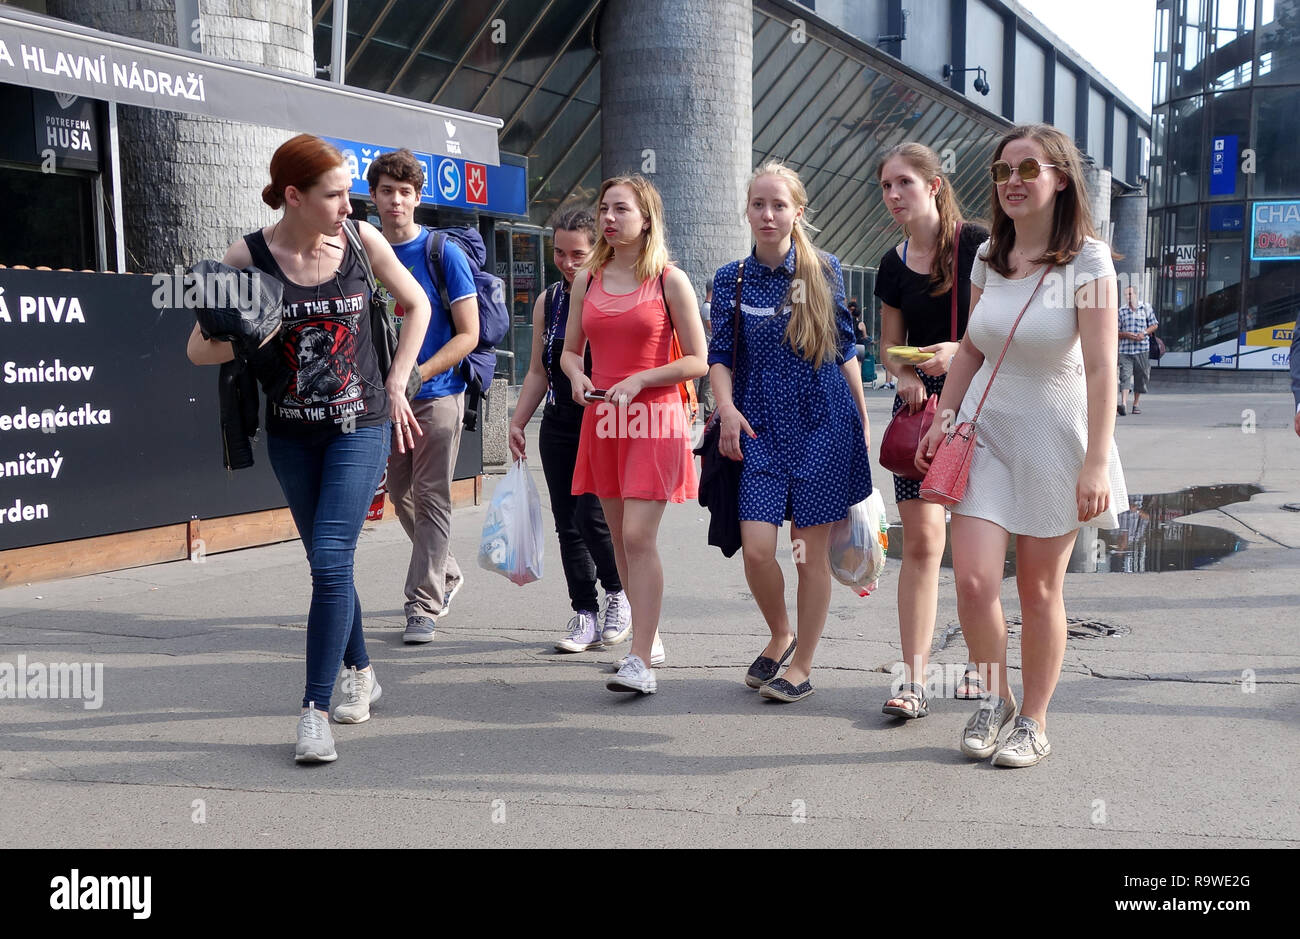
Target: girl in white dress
[1045,461]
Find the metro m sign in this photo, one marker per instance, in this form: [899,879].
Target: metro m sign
[476,188]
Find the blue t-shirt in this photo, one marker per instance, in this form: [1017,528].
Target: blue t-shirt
[460,284]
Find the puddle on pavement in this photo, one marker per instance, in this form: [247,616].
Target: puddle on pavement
[1149,539]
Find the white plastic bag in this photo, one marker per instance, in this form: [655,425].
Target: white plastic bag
[858,545]
[513,537]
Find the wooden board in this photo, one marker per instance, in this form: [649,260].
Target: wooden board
[174,542]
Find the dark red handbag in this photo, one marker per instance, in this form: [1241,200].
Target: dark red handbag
[906,428]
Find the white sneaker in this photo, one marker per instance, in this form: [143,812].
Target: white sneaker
[583,633]
[315,742]
[616,620]
[360,691]
[656,655]
[1024,746]
[633,676]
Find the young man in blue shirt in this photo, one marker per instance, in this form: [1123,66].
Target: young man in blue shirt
[419,481]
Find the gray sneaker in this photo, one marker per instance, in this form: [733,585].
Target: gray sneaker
[418,629]
[616,621]
[315,742]
[633,676]
[360,690]
[980,738]
[1024,746]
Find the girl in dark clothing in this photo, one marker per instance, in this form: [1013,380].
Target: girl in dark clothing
[586,551]
[915,284]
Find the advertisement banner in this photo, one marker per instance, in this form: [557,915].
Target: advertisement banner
[1275,231]
[1268,347]
[66,128]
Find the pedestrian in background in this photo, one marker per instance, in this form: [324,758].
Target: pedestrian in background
[634,450]
[328,457]
[1046,460]
[1137,321]
[419,480]
[915,285]
[586,551]
[792,409]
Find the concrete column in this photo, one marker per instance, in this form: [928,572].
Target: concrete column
[1129,213]
[191,185]
[1098,182]
[676,104]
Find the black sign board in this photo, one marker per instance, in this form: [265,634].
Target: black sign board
[66,130]
[105,426]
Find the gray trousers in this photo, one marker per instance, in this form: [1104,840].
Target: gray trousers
[1134,371]
[419,483]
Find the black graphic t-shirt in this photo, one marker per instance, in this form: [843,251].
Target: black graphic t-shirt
[328,377]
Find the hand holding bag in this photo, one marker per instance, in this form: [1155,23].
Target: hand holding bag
[907,429]
[945,483]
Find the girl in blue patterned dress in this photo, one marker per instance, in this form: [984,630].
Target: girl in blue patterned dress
[795,416]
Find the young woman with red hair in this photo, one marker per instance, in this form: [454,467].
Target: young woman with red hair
[329,413]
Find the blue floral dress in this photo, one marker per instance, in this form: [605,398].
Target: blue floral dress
[809,462]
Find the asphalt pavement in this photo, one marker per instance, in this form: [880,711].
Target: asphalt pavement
[1174,724]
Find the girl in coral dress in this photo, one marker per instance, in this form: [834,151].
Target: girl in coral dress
[634,453]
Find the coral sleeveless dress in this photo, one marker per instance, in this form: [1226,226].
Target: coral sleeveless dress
[643,450]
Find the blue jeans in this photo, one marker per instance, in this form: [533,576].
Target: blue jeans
[328,485]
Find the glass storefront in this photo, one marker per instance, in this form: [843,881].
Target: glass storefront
[1225,185]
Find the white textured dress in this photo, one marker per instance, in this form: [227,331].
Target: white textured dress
[1033,432]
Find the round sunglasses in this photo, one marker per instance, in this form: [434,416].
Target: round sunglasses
[1028,169]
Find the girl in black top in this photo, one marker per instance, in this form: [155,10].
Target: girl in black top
[328,408]
[915,284]
[586,551]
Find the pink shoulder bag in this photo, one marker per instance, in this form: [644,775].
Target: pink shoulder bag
[945,483]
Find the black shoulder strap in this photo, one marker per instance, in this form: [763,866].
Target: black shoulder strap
[260,252]
[436,246]
[552,297]
[354,239]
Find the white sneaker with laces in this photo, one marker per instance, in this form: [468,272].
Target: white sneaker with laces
[360,691]
[1024,746]
[616,620]
[656,655]
[633,676]
[583,635]
[315,742]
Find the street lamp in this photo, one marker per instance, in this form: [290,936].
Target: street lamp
[981,83]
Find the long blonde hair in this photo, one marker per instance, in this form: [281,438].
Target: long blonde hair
[654,248]
[927,165]
[811,331]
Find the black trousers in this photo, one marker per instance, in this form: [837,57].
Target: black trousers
[586,551]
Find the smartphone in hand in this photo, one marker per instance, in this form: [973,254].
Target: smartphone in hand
[595,394]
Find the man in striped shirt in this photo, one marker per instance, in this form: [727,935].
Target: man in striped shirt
[1137,322]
